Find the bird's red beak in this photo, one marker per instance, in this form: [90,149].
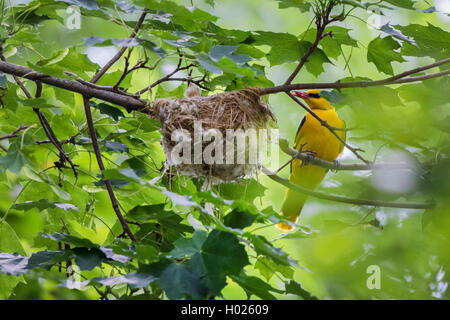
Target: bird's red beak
[300,94]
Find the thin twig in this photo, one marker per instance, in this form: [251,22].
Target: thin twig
[51,135]
[14,133]
[96,86]
[114,202]
[187,79]
[62,142]
[125,71]
[322,21]
[397,79]
[43,120]
[168,77]
[342,199]
[128,102]
[140,64]
[54,140]
[117,56]
[336,165]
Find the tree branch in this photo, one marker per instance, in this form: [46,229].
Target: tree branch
[341,199]
[117,56]
[54,140]
[168,77]
[65,141]
[397,79]
[187,79]
[96,86]
[114,202]
[310,159]
[14,133]
[49,132]
[129,103]
[44,122]
[322,21]
[140,64]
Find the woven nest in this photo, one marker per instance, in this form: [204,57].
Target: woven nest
[243,109]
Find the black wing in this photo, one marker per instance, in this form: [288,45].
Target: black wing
[298,130]
[295,138]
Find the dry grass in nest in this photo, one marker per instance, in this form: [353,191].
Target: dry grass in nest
[243,109]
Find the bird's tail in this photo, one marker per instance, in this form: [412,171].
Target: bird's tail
[292,207]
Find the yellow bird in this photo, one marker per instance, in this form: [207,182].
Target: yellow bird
[313,137]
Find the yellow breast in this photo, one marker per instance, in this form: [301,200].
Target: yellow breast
[318,138]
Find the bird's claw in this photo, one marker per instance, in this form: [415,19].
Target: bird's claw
[302,146]
[336,165]
[309,156]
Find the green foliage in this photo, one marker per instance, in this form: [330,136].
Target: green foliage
[9,242]
[429,41]
[293,287]
[53,223]
[288,48]
[303,5]
[381,51]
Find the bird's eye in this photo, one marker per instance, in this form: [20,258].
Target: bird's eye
[314,95]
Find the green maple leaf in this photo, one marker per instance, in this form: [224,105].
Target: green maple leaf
[303,5]
[381,51]
[429,41]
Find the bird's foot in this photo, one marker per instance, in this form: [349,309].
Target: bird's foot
[336,166]
[309,156]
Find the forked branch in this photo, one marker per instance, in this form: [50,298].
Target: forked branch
[14,133]
[119,54]
[169,77]
[322,11]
